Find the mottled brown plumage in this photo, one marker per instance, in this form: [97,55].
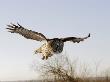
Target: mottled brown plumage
[50,47]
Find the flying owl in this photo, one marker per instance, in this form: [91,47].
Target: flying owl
[50,47]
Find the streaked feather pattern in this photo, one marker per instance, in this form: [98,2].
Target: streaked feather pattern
[29,34]
[51,46]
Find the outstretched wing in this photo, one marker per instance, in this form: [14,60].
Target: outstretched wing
[74,39]
[29,34]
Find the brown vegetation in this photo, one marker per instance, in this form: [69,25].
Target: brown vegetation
[61,69]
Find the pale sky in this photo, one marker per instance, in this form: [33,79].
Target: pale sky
[53,18]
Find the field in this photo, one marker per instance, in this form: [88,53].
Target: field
[62,69]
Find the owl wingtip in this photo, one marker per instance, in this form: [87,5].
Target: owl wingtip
[89,35]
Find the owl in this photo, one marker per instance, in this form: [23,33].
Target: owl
[50,47]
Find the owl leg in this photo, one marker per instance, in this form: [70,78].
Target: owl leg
[48,55]
[43,57]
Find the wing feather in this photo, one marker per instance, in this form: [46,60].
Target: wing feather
[75,39]
[29,34]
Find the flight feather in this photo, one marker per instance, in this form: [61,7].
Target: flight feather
[29,34]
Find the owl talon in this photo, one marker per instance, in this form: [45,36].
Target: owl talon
[43,57]
[46,57]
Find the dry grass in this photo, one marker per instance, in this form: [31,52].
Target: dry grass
[61,69]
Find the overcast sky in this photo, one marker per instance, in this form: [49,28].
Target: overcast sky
[53,18]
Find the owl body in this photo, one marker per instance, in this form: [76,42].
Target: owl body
[52,46]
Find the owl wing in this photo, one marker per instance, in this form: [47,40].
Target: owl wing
[29,34]
[75,39]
